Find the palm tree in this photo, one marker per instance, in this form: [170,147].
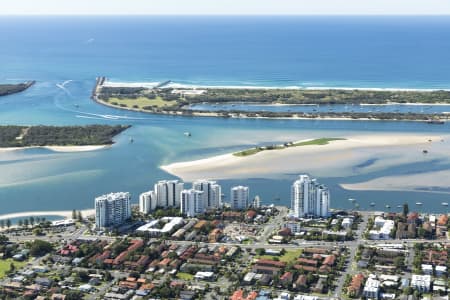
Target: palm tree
[20,223]
[8,223]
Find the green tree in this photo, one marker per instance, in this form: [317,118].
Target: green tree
[3,239]
[12,267]
[405,209]
[40,248]
[2,224]
[38,231]
[399,262]
[74,214]
[20,223]
[73,295]
[26,222]
[32,220]
[80,216]
[8,223]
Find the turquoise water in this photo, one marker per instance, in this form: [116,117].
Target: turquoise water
[72,51]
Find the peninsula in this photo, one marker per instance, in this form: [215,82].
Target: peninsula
[9,89]
[59,138]
[168,98]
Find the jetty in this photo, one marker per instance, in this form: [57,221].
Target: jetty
[162,84]
[99,81]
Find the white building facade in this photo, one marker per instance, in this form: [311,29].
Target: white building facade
[147,202]
[112,209]
[168,193]
[212,193]
[191,202]
[309,198]
[239,197]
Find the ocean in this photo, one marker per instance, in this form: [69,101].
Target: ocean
[65,54]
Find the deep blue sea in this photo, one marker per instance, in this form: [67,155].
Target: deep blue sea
[375,52]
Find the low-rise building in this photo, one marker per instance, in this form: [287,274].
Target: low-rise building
[371,288]
[421,282]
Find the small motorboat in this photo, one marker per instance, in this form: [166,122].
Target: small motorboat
[188,134]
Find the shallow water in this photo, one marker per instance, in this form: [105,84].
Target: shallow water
[65,55]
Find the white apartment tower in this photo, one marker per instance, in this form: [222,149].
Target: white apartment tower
[239,197]
[309,198]
[168,193]
[147,202]
[192,202]
[211,193]
[112,209]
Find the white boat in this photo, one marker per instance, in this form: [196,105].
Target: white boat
[187,133]
[445,203]
[418,203]
[372,204]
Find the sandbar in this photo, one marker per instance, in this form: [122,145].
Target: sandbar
[60,148]
[336,159]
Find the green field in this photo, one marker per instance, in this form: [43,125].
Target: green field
[289,256]
[251,151]
[5,265]
[141,102]
[185,276]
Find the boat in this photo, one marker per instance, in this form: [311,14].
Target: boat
[440,122]
[131,140]
[388,206]
[187,133]
[351,200]
[418,203]
[372,204]
[424,151]
[399,206]
[444,203]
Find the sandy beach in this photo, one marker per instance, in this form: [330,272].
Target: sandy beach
[60,148]
[67,214]
[176,85]
[338,158]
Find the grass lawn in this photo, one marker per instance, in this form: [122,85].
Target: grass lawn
[142,102]
[321,141]
[185,276]
[248,152]
[5,263]
[289,256]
